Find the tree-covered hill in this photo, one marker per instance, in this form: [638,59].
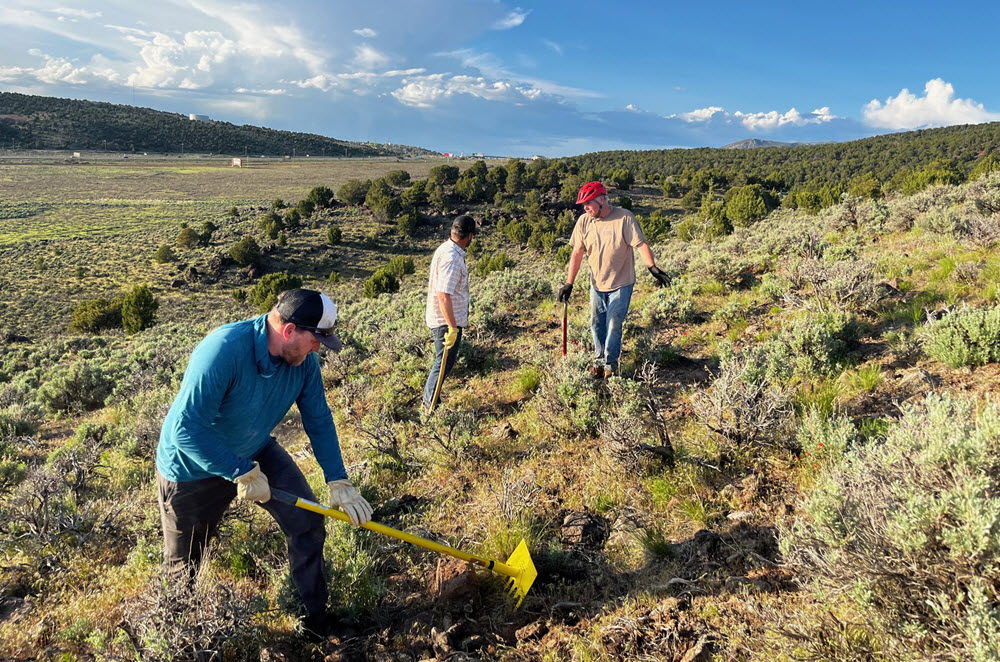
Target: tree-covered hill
[37,122]
[884,156]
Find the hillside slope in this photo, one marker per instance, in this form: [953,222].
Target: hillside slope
[798,459]
[35,122]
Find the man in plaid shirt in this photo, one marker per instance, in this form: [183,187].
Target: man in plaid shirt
[448,299]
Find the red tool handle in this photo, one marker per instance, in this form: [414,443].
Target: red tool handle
[565,307]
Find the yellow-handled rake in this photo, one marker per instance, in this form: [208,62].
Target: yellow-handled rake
[519,568]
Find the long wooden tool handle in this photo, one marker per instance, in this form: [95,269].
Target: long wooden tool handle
[437,388]
[496,566]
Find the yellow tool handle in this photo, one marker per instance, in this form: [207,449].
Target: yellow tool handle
[496,566]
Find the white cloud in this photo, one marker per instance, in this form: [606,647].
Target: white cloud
[275,92]
[554,46]
[367,33]
[12,74]
[425,91]
[78,13]
[634,108]
[772,120]
[368,58]
[511,20]
[701,114]
[490,66]
[938,107]
[768,121]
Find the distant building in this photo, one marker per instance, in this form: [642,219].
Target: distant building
[199,118]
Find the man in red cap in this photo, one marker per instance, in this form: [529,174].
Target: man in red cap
[607,235]
[216,442]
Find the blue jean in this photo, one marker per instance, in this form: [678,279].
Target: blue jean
[432,378]
[190,513]
[607,316]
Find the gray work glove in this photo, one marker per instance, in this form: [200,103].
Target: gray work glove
[564,293]
[344,496]
[253,485]
[662,279]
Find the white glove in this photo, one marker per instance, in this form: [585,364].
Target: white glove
[253,485]
[344,496]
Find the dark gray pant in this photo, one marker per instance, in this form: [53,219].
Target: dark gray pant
[190,513]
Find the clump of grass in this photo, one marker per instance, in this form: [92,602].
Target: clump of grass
[527,381]
[655,541]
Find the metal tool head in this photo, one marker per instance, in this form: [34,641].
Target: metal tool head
[520,560]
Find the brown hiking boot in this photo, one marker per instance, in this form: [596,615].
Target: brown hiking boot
[596,371]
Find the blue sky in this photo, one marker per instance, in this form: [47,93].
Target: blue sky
[552,78]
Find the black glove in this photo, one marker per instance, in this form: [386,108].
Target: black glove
[564,293]
[662,279]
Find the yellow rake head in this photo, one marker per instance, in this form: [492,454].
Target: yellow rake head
[521,561]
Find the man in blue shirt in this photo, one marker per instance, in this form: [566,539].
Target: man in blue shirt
[216,441]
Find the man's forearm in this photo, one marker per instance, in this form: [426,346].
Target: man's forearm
[646,254]
[575,260]
[444,299]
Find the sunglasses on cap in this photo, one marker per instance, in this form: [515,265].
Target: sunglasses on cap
[312,329]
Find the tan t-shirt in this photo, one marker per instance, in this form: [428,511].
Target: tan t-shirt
[609,243]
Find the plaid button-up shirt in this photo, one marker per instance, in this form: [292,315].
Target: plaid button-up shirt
[450,275]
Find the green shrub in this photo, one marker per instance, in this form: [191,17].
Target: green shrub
[400,266]
[305,208]
[655,226]
[271,224]
[320,196]
[416,195]
[188,238]
[904,533]
[748,403]
[353,191]
[518,232]
[563,254]
[264,294]
[381,282]
[967,337]
[497,262]
[398,178]
[668,304]
[406,224]
[443,175]
[245,252]
[96,315]
[820,342]
[164,254]
[139,309]
[83,385]
[334,235]
[625,202]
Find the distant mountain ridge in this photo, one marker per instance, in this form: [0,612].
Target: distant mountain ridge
[754,143]
[886,156]
[37,122]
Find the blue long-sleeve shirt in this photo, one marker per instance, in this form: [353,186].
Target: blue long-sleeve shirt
[233,394]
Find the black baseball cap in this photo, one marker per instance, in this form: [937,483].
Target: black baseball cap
[312,311]
[464,225]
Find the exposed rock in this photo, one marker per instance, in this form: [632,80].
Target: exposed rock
[583,528]
[702,650]
[532,631]
[455,580]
